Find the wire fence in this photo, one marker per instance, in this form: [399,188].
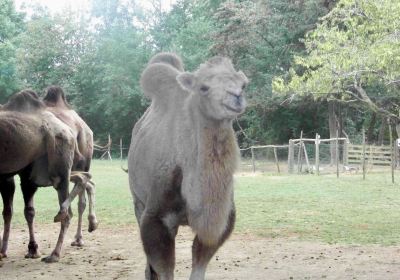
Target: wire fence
[300,156]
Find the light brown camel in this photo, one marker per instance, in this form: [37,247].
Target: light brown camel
[40,149]
[182,158]
[56,103]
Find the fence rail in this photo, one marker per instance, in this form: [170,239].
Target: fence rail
[303,155]
[375,155]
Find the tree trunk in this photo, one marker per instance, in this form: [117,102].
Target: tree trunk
[333,127]
[382,131]
[371,127]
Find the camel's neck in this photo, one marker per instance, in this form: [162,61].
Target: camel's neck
[219,147]
[57,104]
[219,156]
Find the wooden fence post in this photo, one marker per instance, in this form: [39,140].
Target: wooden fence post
[291,156]
[276,160]
[120,147]
[317,153]
[346,152]
[252,159]
[299,155]
[337,153]
[392,159]
[306,158]
[363,154]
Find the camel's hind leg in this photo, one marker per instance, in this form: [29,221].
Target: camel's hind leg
[202,254]
[7,190]
[28,191]
[90,189]
[81,209]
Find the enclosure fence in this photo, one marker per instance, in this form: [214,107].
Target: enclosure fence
[301,156]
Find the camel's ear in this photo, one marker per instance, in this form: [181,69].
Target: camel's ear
[187,81]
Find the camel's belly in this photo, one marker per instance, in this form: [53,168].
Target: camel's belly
[20,144]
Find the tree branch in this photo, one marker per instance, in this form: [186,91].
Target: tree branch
[363,96]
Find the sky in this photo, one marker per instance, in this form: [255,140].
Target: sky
[58,5]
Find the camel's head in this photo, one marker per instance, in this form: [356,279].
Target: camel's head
[219,86]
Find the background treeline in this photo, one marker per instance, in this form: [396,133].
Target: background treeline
[286,47]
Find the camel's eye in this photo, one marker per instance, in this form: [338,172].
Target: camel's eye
[244,86]
[204,88]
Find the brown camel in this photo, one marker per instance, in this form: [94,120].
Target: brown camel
[56,103]
[39,148]
[182,157]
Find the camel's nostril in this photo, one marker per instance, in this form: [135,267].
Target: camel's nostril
[238,100]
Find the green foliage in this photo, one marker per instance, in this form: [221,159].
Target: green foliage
[98,57]
[186,30]
[353,54]
[50,50]
[262,38]
[11,25]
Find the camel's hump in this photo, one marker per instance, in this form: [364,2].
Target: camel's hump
[55,97]
[159,83]
[168,58]
[24,101]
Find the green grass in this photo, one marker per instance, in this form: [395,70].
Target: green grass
[345,210]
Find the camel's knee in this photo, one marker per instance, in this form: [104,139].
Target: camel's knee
[158,244]
[29,213]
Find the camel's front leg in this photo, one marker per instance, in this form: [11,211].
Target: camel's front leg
[7,189]
[62,190]
[90,189]
[202,253]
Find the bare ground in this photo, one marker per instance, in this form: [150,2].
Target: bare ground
[116,253]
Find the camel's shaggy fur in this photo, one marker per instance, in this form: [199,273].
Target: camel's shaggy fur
[57,104]
[40,148]
[182,158]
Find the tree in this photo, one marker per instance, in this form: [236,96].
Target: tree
[353,57]
[50,49]
[187,30]
[11,24]
[262,37]
[106,82]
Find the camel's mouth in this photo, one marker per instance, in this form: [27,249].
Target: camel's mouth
[237,110]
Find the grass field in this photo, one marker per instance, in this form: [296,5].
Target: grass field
[324,208]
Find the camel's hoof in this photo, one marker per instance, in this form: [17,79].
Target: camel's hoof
[93,223]
[93,226]
[3,255]
[60,217]
[32,255]
[51,259]
[33,252]
[78,243]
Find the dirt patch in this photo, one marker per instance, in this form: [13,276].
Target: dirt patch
[116,253]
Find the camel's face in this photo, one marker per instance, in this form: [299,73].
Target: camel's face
[220,88]
[222,96]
